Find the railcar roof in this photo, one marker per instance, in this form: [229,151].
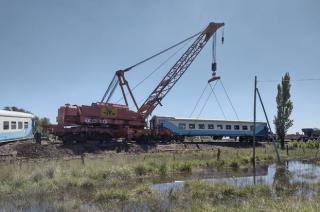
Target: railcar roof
[15,114]
[194,119]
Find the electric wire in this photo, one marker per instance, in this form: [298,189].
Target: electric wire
[291,80]
[230,102]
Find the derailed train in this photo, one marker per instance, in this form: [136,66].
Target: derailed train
[15,126]
[82,124]
[179,128]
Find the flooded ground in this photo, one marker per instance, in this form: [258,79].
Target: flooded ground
[296,173]
[298,178]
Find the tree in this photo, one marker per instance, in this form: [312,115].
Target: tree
[42,125]
[282,121]
[14,108]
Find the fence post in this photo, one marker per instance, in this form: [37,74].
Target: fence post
[82,159]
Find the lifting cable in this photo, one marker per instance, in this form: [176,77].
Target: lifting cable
[163,51]
[111,87]
[154,71]
[214,51]
[235,112]
[143,61]
[221,109]
[206,101]
[198,101]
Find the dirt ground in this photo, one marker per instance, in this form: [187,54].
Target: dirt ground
[31,150]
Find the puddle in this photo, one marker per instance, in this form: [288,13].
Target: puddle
[292,173]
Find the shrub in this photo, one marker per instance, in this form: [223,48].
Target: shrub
[87,185]
[185,167]
[234,165]
[244,161]
[50,172]
[295,144]
[37,177]
[140,170]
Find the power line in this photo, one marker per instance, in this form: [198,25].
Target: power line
[291,80]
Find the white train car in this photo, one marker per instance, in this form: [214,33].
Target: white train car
[15,126]
[181,127]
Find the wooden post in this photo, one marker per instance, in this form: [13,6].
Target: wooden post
[82,159]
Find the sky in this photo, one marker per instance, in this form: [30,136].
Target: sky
[54,52]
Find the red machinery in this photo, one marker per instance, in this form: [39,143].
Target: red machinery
[104,120]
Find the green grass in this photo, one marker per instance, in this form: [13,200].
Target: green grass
[119,178]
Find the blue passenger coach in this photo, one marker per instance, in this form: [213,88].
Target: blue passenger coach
[15,126]
[181,127]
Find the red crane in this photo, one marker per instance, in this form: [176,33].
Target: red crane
[104,119]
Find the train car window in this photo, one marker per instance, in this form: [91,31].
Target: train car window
[245,127]
[13,125]
[26,125]
[228,127]
[220,127]
[201,126]
[182,126]
[251,127]
[210,126]
[19,125]
[6,125]
[236,127]
[192,126]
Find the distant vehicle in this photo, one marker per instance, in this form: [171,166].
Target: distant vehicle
[311,133]
[15,126]
[179,128]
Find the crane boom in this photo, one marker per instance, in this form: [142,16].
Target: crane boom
[178,69]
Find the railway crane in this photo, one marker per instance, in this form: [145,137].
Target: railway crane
[104,120]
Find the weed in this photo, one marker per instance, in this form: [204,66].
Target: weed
[163,169]
[111,195]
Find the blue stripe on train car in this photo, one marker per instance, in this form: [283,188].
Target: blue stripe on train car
[261,130]
[16,135]
[11,136]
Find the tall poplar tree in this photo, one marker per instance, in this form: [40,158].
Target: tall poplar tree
[282,120]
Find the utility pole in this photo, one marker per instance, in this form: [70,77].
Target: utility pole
[269,126]
[254,130]
[254,120]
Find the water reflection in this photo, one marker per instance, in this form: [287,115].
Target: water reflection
[291,177]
